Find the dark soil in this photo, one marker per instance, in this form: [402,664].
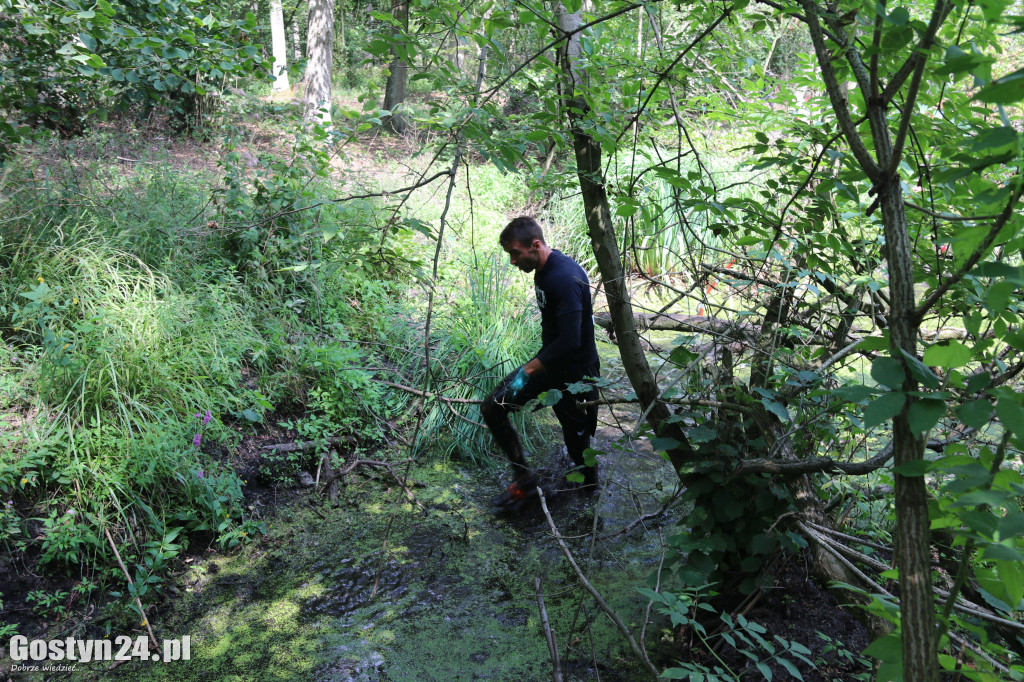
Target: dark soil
[794,607]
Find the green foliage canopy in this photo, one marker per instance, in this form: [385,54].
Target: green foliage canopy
[62,60]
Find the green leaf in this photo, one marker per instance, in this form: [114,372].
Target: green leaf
[682,355]
[979,381]
[883,408]
[776,408]
[917,467]
[975,414]
[1011,526]
[702,434]
[1013,273]
[1000,551]
[660,444]
[251,416]
[855,393]
[925,413]
[886,648]
[1003,138]
[888,372]
[921,371]
[549,398]
[947,354]
[1011,414]
[899,16]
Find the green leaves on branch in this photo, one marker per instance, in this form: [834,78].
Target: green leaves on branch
[71,60]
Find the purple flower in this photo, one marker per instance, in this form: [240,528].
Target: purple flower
[200,474]
[197,440]
[198,415]
[207,417]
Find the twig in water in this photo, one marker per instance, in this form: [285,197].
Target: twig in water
[639,652]
[556,665]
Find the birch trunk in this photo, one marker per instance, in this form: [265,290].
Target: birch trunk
[280,49]
[319,60]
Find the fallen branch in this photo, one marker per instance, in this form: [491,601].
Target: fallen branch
[649,517]
[639,652]
[963,605]
[735,331]
[378,465]
[332,484]
[425,394]
[735,407]
[142,611]
[556,665]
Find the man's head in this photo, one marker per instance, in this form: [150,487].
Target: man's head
[523,241]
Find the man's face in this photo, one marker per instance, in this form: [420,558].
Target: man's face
[526,257]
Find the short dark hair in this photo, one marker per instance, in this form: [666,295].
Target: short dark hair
[523,229]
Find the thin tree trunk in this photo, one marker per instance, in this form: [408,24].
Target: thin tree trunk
[398,74]
[913,554]
[296,38]
[606,250]
[320,57]
[280,48]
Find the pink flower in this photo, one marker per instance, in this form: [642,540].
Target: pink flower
[197,440]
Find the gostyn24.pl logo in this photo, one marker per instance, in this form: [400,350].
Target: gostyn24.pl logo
[27,655]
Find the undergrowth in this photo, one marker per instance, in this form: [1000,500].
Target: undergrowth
[146,329]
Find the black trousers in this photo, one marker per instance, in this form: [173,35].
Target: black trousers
[578,423]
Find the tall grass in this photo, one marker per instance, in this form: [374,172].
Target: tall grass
[490,328]
[135,343]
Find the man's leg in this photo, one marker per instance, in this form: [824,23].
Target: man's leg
[495,410]
[578,425]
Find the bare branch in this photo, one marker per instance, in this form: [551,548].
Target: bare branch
[846,123]
[637,650]
[950,216]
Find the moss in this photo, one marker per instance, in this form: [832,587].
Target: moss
[454,597]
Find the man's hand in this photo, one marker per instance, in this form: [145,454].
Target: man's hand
[517,383]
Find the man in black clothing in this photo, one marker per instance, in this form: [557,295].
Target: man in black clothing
[567,355]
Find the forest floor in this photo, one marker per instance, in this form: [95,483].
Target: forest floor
[437,586]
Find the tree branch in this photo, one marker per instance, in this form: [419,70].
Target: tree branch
[842,111]
[941,11]
[637,650]
[941,290]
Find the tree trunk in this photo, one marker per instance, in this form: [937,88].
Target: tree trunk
[320,57]
[913,554]
[605,245]
[913,550]
[280,49]
[296,38]
[458,56]
[398,73]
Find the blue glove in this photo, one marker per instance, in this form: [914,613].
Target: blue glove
[517,383]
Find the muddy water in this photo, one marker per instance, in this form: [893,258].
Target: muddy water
[451,596]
